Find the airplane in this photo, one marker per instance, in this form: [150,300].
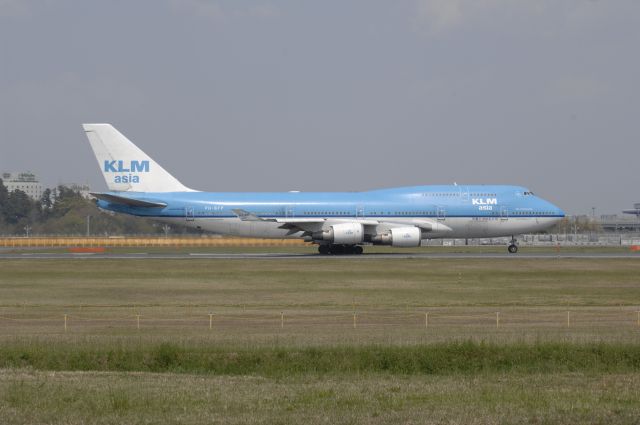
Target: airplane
[635,211]
[338,222]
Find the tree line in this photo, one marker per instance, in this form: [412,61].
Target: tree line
[64,211]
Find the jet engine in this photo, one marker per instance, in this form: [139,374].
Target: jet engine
[342,234]
[399,236]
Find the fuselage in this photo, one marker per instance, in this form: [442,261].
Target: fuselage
[452,211]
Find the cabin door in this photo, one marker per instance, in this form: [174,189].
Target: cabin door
[464,193]
[189,214]
[504,213]
[289,211]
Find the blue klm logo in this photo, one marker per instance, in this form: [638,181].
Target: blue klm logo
[119,166]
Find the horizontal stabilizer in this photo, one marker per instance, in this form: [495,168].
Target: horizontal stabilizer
[131,202]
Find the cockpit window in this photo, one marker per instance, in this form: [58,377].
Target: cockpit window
[528,193]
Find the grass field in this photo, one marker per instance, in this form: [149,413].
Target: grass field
[315,341]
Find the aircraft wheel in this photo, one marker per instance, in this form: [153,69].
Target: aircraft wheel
[324,249]
[513,248]
[337,249]
[357,250]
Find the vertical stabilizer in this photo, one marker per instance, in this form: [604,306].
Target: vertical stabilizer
[124,166]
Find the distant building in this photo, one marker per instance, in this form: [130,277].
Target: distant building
[26,182]
[615,223]
[83,189]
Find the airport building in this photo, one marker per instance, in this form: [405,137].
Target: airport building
[615,223]
[83,189]
[25,181]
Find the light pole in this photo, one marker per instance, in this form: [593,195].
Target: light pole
[27,229]
[593,223]
[88,225]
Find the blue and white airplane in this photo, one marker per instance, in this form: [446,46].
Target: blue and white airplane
[339,222]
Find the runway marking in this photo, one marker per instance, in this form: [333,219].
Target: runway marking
[257,254]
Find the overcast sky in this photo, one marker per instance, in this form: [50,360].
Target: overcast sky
[332,95]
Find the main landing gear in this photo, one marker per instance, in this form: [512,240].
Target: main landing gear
[340,249]
[513,245]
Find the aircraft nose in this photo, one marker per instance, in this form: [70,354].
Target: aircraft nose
[557,211]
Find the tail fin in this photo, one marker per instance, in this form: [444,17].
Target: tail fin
[124,166]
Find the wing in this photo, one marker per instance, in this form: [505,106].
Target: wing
[310,225]
[244,215]
[315,224]
[429,225]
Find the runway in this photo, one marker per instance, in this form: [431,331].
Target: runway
[304,256]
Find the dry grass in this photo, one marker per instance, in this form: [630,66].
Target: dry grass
[318,299]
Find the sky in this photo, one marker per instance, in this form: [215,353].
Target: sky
[332,95]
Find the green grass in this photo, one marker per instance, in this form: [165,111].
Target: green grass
[126,398]
[317,368]
[435,359]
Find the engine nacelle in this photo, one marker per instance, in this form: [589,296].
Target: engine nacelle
[342,234]
[400,236]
